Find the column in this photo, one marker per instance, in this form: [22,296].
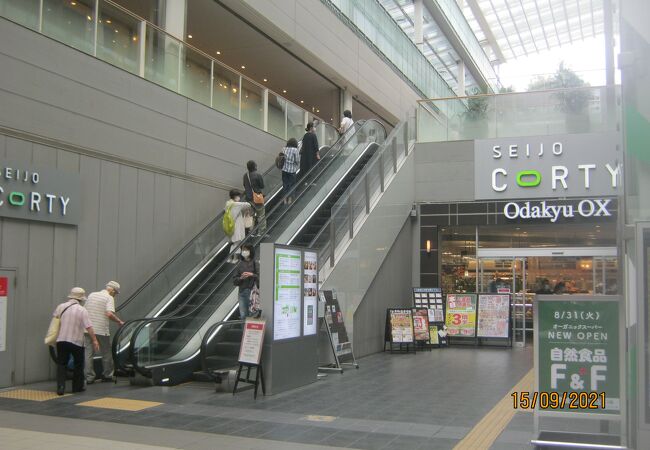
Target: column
[174,14]
[346,101]
[460,90]
[418,20]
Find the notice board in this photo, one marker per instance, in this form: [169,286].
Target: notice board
[334,319]
[493,316]
[461,315]
[421,325]
[250,351]
[400,324]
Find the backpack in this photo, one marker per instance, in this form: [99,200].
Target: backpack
[228,223]
[280,160]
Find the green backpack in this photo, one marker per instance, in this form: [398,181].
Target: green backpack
[228,222]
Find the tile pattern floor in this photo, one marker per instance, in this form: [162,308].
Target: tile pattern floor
[428,400]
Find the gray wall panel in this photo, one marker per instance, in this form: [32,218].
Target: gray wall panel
[88,232]
[161,222]
[127,230]
[109,204]
[144,239]
[18,151]
[444,171]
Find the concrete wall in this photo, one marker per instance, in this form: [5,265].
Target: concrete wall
[391,288]
[444,171]
[310,30]
[155,168]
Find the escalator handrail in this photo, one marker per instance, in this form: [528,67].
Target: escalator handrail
[353,186]
[206,339]
[210,224]
[144,321]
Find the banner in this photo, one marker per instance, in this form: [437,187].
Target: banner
[579,353]
[250,350]
[461,315]
[401,326]
[493,316]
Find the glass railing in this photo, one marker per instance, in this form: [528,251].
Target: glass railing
[165,339]
[109,32]
[370,19]
[537,113]
[164,284]
[458,22]
[360,197]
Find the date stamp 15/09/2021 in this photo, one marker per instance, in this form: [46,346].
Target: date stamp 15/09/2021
[558,400]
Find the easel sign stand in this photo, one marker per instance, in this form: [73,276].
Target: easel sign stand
[336,334]
[580,361]
[399,330]
[250,354]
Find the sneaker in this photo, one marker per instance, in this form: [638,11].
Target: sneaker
[107,379]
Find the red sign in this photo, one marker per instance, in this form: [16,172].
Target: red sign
[250,350]
[4,286]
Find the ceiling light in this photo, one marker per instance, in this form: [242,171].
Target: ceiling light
[189,36]
[73,3]
[135,38]
[89,18]
[234,90]
[302,101]
[284,91]
[116,31]
[218,52]
[108,21]
[265,80]
[243,67]
[318,110]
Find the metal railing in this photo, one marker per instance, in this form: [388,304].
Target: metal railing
[359,198]
[536,113]
[113,34]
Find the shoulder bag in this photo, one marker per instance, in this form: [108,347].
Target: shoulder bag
[54,328]
[258,197]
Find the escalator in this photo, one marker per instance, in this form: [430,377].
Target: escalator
[166,348]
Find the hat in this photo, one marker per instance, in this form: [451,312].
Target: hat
[115,285]
[77,293]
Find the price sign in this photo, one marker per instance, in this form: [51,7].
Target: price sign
[461,315]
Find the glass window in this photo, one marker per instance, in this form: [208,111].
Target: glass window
[118,42]
[24,12]
[72,23]
[548,235]
[458,259]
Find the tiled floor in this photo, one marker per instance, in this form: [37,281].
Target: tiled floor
[428,400]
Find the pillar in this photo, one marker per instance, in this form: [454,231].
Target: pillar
[346,101]
[418,23]
[460,90]
[175,14]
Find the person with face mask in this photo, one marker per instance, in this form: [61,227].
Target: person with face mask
[238,210]
[246,276]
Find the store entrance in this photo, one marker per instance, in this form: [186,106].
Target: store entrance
[525,272]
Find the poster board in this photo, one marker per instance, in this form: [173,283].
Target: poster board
[310,293]
[433,300]
[400,323]
[334,321]
[461,315]
[421,325]
[493,319]
[287,293]
[4,295]
[250,350]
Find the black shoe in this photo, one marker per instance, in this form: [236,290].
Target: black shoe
[107,379]
[60,391]
[76,391]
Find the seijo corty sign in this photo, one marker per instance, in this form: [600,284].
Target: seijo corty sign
[39,194]
[560,166]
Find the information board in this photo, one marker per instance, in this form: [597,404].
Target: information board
[432,299]
[287,293]
[334,319]
[421,325]
[578,351]
[401,326]
[4,293]
[250,351]
[461,315]
[493,316]
[310,293]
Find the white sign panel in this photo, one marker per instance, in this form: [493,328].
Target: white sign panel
[493,316]
[310,293]
[251,344]
[4,292]
[287,293]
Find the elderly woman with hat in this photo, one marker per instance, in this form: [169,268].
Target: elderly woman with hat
[70,340]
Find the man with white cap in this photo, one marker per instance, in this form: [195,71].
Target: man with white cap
[101,308]
[70,340]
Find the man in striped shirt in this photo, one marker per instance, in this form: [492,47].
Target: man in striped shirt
[70,340]
[101,308]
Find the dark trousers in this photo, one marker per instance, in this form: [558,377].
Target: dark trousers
[63,352]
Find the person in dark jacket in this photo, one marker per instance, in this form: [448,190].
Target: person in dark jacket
[309,150]
[246,276]
[254,182]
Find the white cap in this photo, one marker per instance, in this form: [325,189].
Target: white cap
[114,285]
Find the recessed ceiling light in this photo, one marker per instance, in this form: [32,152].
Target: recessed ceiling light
[108,21]
[243,67]
[318,110]
[218,52]
[265,80]
[89,18]
[302,101]
[284,91]
[73,3]
[234,90]
[135,38]
[189,36]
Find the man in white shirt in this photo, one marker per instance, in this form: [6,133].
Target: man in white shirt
[101,308]
[347,122]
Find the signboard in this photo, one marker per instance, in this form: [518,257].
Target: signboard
[334,319]
[493,316]
[4,294]
[310,293]
[432,299]
[568,165]
[39,194]
[250,350]
[461,315]
[421,325]
[578,351]
[401,326]
[434,339]
[287,296]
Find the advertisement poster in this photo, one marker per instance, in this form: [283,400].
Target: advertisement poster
[493,316]
[579,350]
[250,350]
[421,324]
[310,293]
[433,335]
[401,326]
[288,294]
[4,293]
[334,318]
[461,315]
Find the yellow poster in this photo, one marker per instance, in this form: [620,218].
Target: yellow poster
[461,315]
